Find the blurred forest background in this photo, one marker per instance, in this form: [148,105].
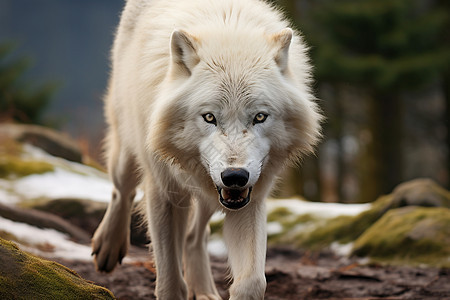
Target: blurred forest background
[382,70]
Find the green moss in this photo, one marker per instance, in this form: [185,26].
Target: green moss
[216,226]
[420,236]
[296,220]
[290,223]
[442,193]
[24,276]
[344,229]
[11,237]
[7,235]
[288,219]
[337,229]
[11,165]
[33,202]
[409,235]
[278,214]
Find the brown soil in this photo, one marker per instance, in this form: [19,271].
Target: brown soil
[291,274]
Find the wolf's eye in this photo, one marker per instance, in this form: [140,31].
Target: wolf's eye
[209,118]
[259,118]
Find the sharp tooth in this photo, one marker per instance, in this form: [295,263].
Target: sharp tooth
[244,194]
[224,194]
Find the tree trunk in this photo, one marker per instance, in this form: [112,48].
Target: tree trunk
[386,123]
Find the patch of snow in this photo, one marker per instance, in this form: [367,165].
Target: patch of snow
[341,249]
[32,152]
[68,180]
[74,180]
[320,209]
[217,216]
[7,197]
[274,228]
[363,260]
[304,227]
[64,184]
[58,242]
[217,247]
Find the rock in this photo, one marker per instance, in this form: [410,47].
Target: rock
[420,192]
[24,276]
[314,272]
[417,235]
[346,229]
[43,220]
[47,139]
[87,214]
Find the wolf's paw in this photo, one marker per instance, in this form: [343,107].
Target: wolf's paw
[250,287]
[108,248]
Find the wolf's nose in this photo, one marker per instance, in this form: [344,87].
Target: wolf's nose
[235,177]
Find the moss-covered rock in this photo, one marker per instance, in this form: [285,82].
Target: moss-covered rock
[420,192]
[18,167]
[49,140]
[290,223]
[345,229]
[43,220]
[24,276]
[409,235]
[13,164]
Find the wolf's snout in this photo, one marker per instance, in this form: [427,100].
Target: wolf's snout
[235,177]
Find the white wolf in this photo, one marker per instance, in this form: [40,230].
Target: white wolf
[207,101]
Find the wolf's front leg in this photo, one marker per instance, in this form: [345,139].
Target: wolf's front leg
[168,211]
[245,236]
[197,268]
[111,239]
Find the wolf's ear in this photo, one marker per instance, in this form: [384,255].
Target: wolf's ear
[282,41]
[184,51]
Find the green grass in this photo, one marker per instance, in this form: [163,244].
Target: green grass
[216,227]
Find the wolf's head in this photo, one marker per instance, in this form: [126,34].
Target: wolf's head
[234,108]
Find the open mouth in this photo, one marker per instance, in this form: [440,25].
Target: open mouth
[234,198]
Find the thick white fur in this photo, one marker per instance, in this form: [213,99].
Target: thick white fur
[172,62]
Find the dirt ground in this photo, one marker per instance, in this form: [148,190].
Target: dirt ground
[291,274]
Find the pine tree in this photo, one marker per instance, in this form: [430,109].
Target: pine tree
[20,101]
[384,47]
